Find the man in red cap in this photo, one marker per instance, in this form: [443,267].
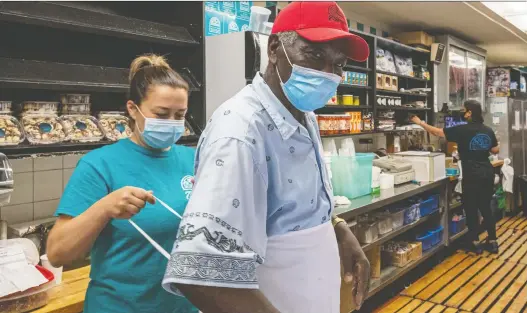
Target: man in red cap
[259,234]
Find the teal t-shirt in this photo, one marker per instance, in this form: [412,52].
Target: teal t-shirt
[126,271]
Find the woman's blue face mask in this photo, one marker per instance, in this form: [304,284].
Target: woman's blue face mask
[308,89]
[161,133]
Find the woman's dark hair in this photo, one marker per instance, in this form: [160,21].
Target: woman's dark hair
[474,107]
[152,70]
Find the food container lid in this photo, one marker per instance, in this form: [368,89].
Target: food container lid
[6,131]
[45,128]
[83,128]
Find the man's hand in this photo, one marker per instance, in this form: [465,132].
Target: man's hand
[356,265]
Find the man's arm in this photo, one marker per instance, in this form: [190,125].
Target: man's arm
[227,300]
[224,227]
[356,265]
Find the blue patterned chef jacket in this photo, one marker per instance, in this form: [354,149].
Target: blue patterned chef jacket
[259,173]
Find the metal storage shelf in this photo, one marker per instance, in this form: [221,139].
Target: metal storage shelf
[60,76]
[403,76]
[401,93]
[394,108]
[354,86]
[391,273]
[340,107]
[369,203]
[58,15]
[399,231]
[458,235]
[357,68]
[25,149]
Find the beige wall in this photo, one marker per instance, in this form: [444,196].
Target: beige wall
[39,183]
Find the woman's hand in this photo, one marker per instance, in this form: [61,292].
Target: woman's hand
[127,202]
[356,265]
[416,120]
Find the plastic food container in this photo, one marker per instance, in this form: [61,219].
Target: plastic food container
[76,108]
[30,299]
[11,132]
[412,214]
[81,128]
[43,128]
[352,176]
[347,99]
[367,231]
[75,98]
[385,224]
[5,106]
[115,125]
[334,124]
[398,219]
[40,107]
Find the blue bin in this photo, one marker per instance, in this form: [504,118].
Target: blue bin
[351,176]
[429,205]
[455,227]
[437,235]
[431,238]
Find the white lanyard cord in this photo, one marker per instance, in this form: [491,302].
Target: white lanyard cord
[152,241]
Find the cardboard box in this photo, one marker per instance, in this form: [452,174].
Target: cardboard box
[416,38]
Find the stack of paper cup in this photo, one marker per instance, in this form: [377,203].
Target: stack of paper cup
[57,271]
[259,16]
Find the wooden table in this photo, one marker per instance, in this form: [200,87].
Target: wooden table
[68,297]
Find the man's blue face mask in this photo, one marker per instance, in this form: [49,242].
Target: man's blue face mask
[308,89]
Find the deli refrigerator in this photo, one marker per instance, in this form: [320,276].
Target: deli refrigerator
[232,61]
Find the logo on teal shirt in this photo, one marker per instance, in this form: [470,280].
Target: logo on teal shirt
[187,183]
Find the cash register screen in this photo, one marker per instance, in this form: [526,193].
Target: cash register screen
[451,121]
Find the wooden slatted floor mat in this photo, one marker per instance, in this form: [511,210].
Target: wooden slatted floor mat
[465,282]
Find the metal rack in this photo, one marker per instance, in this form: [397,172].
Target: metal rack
[53,48]
[369,93]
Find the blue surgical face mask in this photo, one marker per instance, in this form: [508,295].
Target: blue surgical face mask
[160,133]
[308,89]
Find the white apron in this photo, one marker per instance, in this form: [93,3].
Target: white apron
[301,272]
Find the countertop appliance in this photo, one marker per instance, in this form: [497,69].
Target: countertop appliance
[428,166]
[230,69]
[401,170]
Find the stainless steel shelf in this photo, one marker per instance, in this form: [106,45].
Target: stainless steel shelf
[455,206]
[64,16]
[368,203]
[458,235]
[391,273]
[399,231]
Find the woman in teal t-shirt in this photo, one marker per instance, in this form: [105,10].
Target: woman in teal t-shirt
[118,182]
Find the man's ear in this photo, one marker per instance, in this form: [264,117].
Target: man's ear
[272,47]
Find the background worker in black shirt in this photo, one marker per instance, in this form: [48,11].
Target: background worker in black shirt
[474,141]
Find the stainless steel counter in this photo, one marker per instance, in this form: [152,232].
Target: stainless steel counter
[368,203]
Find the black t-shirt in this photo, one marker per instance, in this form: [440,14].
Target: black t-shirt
[474,141]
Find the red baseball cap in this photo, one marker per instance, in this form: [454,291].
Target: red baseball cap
[320,22]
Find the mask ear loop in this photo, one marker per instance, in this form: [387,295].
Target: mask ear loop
[287,57]
[135,122]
